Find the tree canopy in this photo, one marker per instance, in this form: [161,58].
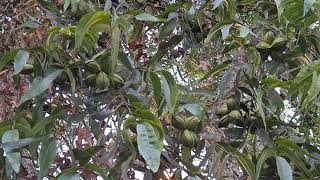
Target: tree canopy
[173,89]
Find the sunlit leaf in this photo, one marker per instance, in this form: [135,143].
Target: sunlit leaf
[39,85]
[69,176]
[149,145]
[47,154]
[217,3]
[216,28]
[147,17]
[216,70]
[115,41]
[284,169]
[87,22]
[13,158]
[156,83]
[265,154]
[20,60]
[170,90]
[307,5]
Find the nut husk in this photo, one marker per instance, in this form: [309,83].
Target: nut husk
[102,81]
[223,110]
[231,103]
[269,37]
[92,67]
[189,138]
[179,123]
[235,114]
[192,122]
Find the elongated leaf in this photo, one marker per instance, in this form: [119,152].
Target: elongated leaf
[167,29]
[13,158]
[126,60]
[265,154]
[314,90]
[307,5]
[259,94]
[46,156]
[225,30]
[216,28]
[279,7]
[243,160]
[147,17]
[164,46]
[115,41]
[7,57]
[72,80]
[216,70]
[69,176]
[17,144]
[20,60]
[217,3]
[284,169]
[299,163]
[289,144]
[43,123]
[170,90]
[149,145]
[87,22]
[84,155]
[39,85]
[155,80]
[195,109]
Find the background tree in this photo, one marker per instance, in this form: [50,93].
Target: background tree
[160,89]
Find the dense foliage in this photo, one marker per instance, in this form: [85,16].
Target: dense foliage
[225,89]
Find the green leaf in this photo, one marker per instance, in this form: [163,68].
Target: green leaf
[167,28]
[7,57]
[279,7]
[149,145]
[291,154]
[259,94]
[216,29]
[96,168]
[314,90]
[20,60]
[244,31]
[146,17]
[115,41]
[47,154]
[195,109]
[12,145]
[72,80]
[243,160]
[216,70]
[225,30]
[265,154]
[126,60]
[69,176]
[307,5]
[170,90]
[43,123]
[217,3]
[13,158]
[88,21]
[156,84]
[164,46]
[289,144]
[274,82]
[39,85]
[84,155]
[284,169]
